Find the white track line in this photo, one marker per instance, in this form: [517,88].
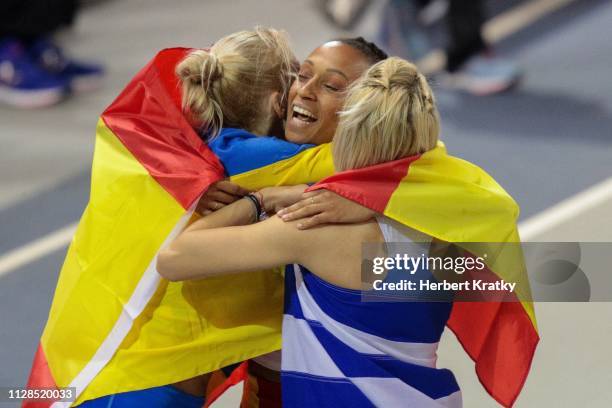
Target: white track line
[500,27]
[566,210]
[508,23]
[36,249]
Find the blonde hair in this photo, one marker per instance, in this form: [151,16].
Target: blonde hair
[389,113]
[231,83]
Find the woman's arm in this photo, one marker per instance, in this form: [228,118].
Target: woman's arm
[222,243]
[274,199]
[240,212]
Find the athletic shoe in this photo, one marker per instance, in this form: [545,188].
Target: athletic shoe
[483,75]
[81,77]
[22,83]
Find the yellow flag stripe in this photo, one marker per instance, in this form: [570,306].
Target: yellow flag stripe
[436,185]
[95,297]
[190,328]
[309,166]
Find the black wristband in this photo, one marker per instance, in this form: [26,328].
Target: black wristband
[255,202]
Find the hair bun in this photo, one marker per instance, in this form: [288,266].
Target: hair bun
[214,66]
[393,73]
[227,83]
[200,67]
[389,113]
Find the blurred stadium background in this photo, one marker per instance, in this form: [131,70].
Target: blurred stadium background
[548,142]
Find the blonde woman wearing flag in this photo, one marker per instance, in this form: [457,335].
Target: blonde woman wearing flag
[239,85]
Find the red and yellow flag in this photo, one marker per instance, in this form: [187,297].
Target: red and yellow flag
[455,201]
[116,326]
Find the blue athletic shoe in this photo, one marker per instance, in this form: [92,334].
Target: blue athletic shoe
[80,76]
[22,83]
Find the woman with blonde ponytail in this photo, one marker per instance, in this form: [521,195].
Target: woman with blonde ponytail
[396,99]
[240,82]
[337,349]
[237,88]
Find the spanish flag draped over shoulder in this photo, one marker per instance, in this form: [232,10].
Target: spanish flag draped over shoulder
[116,326]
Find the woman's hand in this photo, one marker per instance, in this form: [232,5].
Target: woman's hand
[325,207]
[276,198]
[219,195]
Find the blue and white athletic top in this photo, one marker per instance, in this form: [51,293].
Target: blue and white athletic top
[339,351]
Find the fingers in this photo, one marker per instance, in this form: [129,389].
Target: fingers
[201,208]
[298,211]
[215,205]
[315,220]
[231,188]
[309,205]
[316,208]
[207,206]
[309,215]
[221,197]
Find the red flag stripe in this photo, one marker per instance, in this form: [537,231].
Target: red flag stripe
[483,330]
[40,377]
[238,375]
[148,120]
[364,186]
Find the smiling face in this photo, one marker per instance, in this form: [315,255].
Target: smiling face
[317,95]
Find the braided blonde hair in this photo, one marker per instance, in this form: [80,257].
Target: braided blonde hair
[230,84]
[389,113]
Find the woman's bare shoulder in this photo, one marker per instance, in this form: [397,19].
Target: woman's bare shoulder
[334,252]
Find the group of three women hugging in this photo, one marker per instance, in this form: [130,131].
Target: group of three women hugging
[248,90]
